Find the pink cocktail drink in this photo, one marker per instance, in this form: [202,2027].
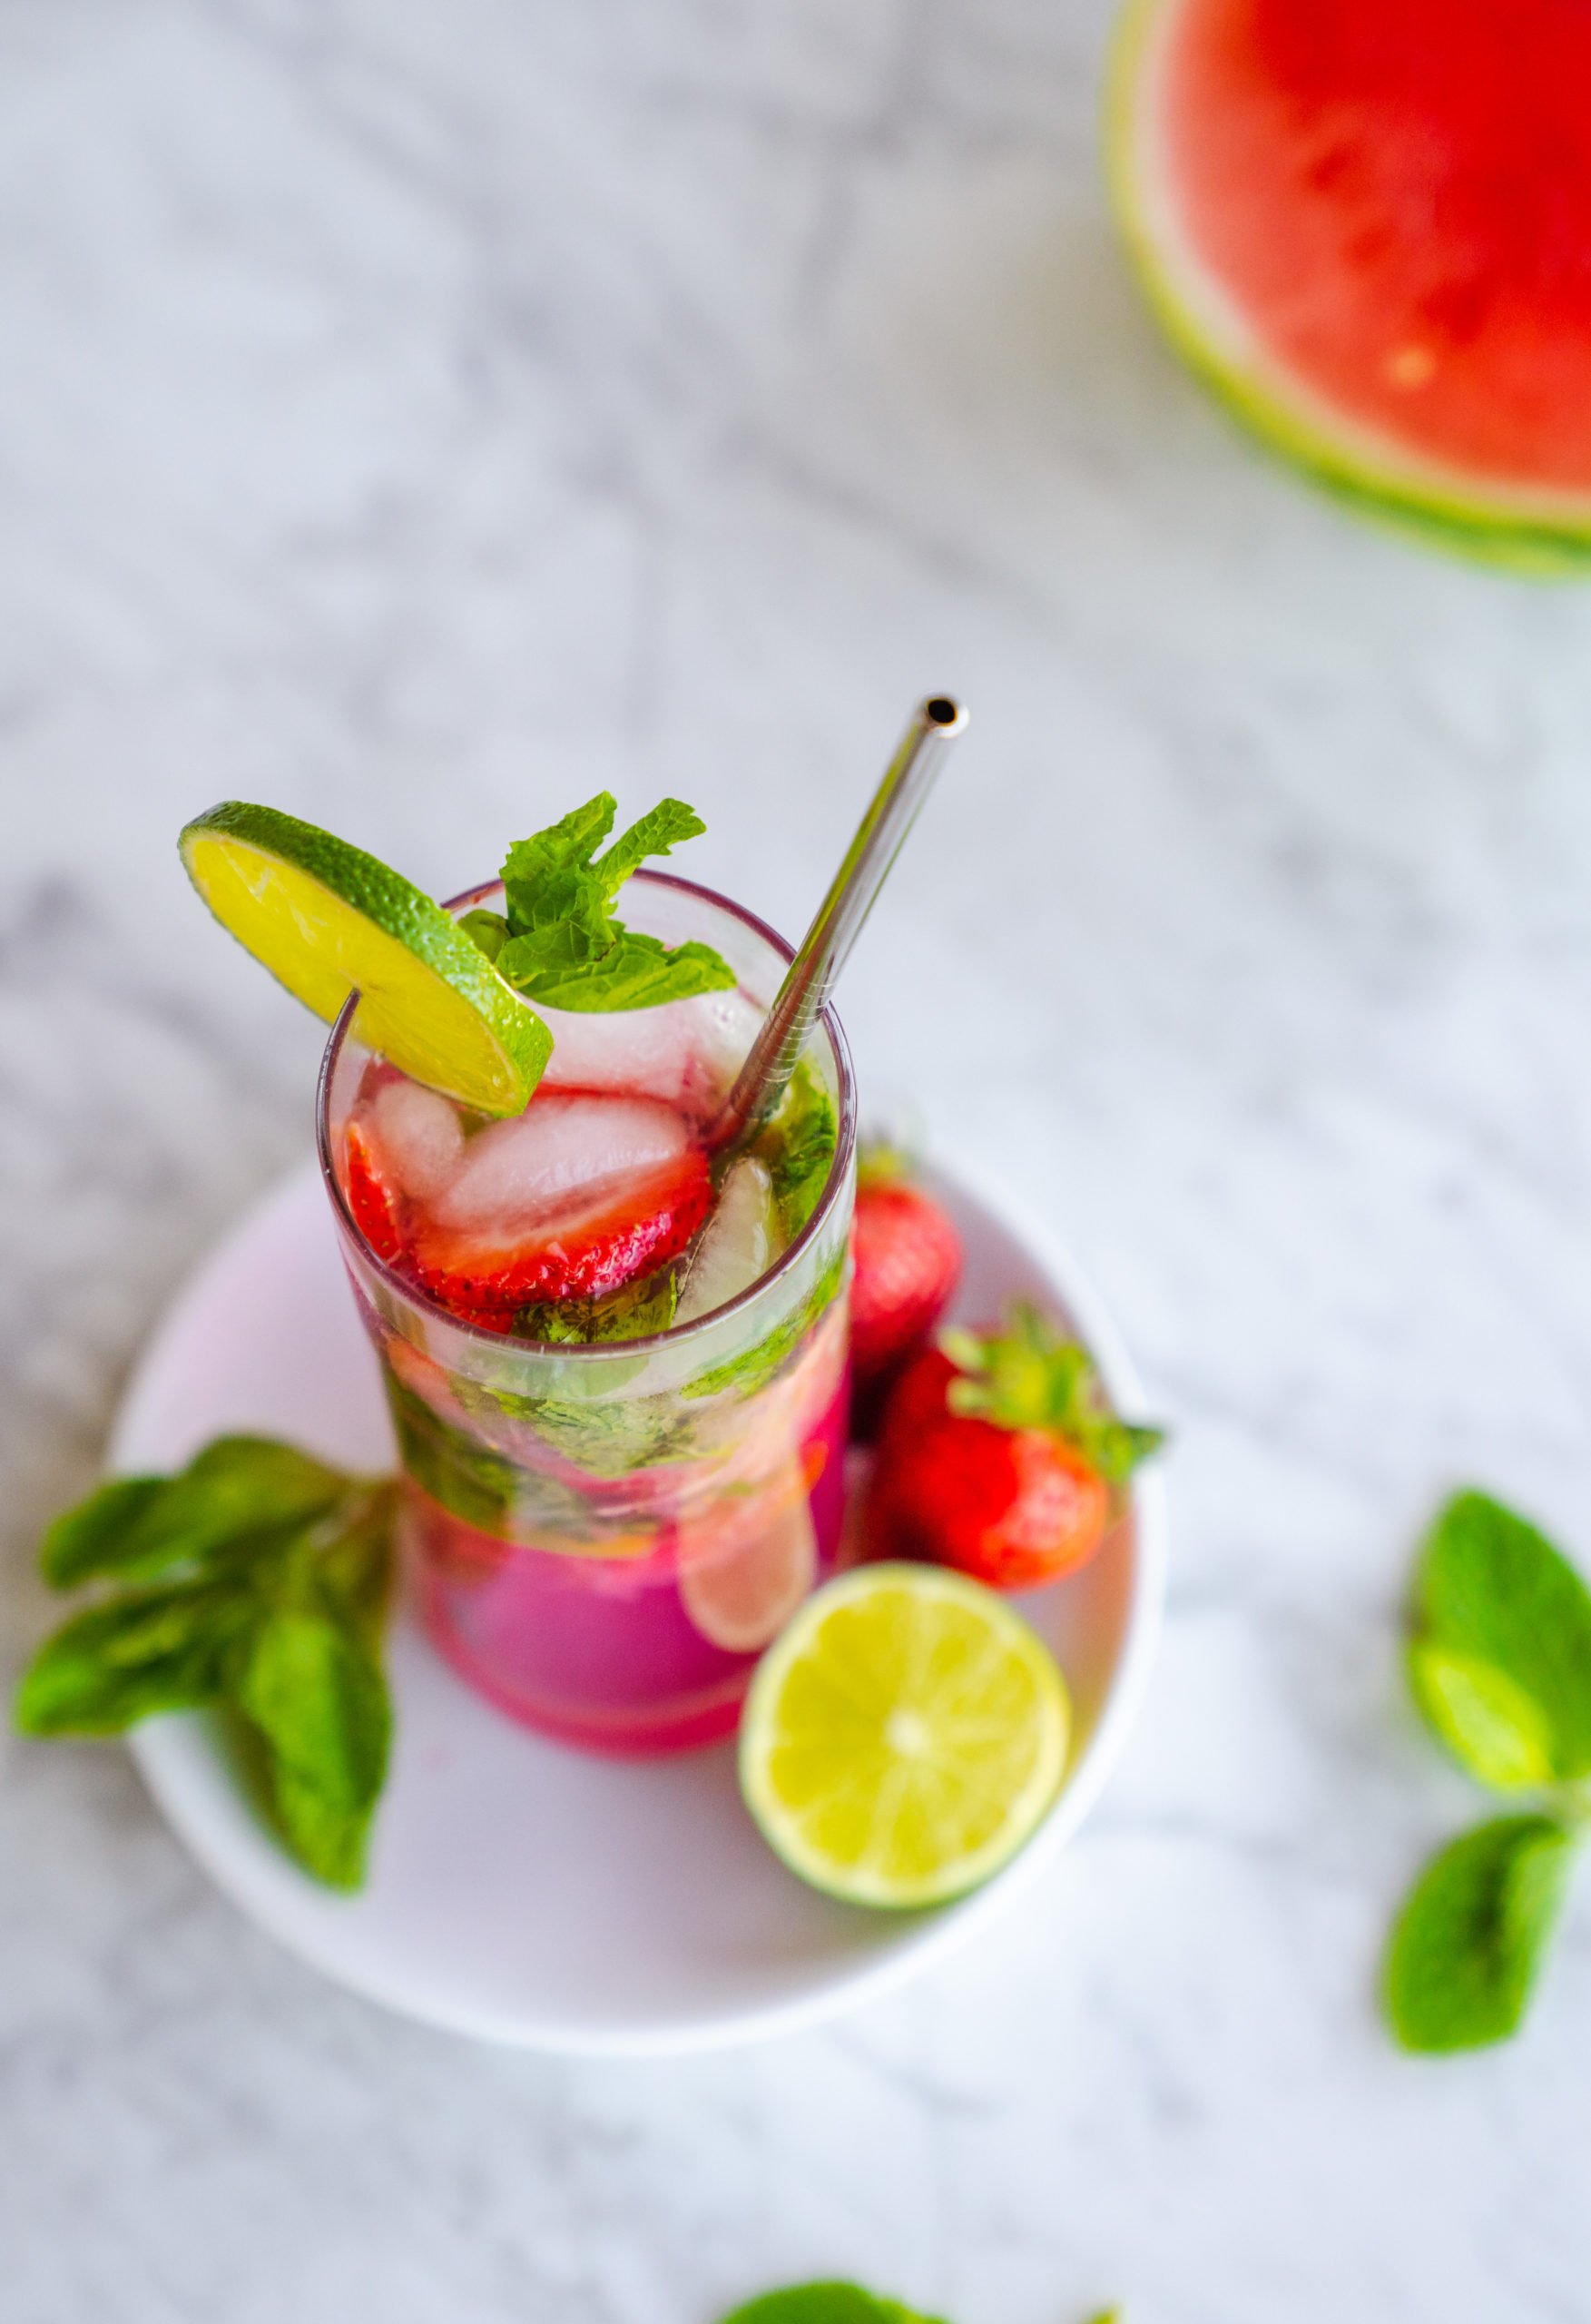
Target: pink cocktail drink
[616,1367]
[649,1650]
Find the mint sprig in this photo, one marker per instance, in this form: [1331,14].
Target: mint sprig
[237,1488]
[255,1583]
[1500,1665]
[556,941]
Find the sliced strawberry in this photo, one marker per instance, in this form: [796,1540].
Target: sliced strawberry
[375,1203]
[608,1233]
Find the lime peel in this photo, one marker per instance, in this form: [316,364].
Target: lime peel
[328,920]
[904,1736]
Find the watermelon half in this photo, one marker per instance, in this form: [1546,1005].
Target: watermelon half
[1368,223]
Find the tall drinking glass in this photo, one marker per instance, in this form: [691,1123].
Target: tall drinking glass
[606,1536]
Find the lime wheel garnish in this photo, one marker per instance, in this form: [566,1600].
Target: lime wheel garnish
[328,920]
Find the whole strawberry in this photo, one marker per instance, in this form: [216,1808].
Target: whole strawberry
[1000,1456]
[908,1262]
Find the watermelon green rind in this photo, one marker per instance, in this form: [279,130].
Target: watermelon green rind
[1536,535]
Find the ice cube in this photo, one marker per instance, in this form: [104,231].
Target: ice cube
[418,1137]
[515,1172]
[737,1242]
[687,1052]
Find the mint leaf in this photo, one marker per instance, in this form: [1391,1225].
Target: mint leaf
[633,1312]
[486,930]
[558,942]
[633,972]
[151,1651]
[1491,1727]
[93,1536]
[669,824]
[139,1528]
[797,1143]
[490,1488]
[474,1483]
[608,1439]
[473,1479]
[825,2303]
[315,1699]
[355,1561]
[271,1579]
[1490,1588]
[567,845]
[1468,1944]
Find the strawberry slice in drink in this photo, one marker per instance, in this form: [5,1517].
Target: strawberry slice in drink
[373,1201]
[581,1194]
[602,1239]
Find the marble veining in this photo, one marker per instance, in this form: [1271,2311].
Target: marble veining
[421,416]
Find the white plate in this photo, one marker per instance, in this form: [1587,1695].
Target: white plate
[518,1891]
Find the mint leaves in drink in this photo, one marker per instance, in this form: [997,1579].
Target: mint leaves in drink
[1499,1663]
[798,1143]
[254,1583]
[558,943]
[636,1311]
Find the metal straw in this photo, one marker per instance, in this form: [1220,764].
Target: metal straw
[810,976]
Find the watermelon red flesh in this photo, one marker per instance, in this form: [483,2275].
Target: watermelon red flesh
[1395,195]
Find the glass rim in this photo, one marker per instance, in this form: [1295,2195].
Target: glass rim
[677,1334]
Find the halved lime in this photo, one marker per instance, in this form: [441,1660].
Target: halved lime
[904,1736]
[327,920]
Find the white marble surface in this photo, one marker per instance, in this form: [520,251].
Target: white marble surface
[420,415]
